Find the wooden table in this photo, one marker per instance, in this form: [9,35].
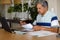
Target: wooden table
[4,35]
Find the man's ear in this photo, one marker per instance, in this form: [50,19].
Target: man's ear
[46,8]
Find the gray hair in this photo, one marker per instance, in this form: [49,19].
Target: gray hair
[42,2]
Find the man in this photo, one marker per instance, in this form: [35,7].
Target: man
[45,19]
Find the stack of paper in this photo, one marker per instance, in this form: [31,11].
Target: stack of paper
[19,32]
[41,33]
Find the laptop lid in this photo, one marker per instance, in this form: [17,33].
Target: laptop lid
[5,25]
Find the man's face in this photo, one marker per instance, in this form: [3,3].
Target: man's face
[41,9]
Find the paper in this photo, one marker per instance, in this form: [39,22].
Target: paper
[27,26]
[41,33]
[19,32]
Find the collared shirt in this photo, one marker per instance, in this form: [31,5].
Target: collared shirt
[48,19]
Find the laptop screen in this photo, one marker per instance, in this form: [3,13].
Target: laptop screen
[5,25]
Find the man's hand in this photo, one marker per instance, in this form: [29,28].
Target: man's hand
[37,28]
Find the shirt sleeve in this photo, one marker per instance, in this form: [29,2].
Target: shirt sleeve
[34,23]
[54,21]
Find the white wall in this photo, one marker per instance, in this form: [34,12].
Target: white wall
[2,10]
[52,5]
[58,9]
[7,15]
[55,6]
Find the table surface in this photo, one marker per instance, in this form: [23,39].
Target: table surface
[4,35]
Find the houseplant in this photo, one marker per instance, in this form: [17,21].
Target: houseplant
[10,9]
[18,9]
[33,12]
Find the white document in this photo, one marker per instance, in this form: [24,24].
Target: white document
[19,32]
[41,33]
[28,26]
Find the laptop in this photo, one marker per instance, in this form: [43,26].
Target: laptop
[5,25]
[7,28]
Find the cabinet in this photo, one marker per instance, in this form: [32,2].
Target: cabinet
[17,1]
[5,1]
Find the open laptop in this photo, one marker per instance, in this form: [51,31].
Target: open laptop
[7,28]
[5,25]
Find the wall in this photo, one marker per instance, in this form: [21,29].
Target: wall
[58,9]
[7,15]
[2,10]
[54,5]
